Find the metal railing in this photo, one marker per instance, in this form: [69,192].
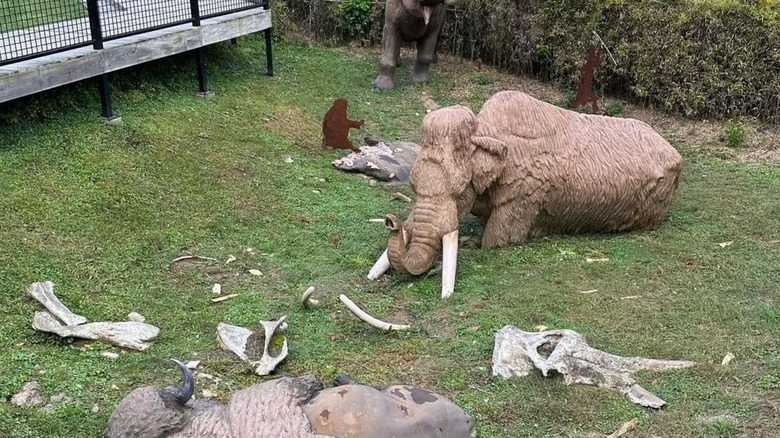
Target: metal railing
[35,28]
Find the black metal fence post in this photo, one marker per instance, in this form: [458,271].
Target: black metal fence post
[200,56]
[269,58]
[104,87]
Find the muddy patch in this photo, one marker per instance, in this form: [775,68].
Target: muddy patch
[438,325]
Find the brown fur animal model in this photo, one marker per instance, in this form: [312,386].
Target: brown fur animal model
[410,20]
[289,407]
[336,125]
[526,168]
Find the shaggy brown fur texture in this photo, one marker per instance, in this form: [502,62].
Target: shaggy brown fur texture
[526,168]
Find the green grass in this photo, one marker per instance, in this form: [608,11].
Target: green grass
[101,210]
[19,14]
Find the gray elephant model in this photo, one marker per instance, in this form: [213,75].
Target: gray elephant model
[410,20]
[289,408]
[526,168]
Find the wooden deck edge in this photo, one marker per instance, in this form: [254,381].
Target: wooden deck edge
[36,75]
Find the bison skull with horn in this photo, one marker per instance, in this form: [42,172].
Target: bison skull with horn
[526,168]
[289,407]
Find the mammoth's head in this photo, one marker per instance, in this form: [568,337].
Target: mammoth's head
[457,162]
[151,412]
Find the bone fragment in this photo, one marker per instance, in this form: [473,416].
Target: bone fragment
[125,334]
[624,429]
[234,338]
[223,298]
[193,257]
[368,319]
[518,353]
[44,293]
[400,196]
[306,300]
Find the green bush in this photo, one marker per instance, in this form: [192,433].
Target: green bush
[356,17]
[702,58]
[614,109]
[734,133]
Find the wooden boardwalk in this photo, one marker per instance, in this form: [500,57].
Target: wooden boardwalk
[34,75]
[116,18]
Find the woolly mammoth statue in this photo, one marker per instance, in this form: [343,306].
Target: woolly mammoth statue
[289,408]
[526,168]
[410,20]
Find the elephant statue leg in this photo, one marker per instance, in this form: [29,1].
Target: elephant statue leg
[426,54]
[391,52]
[508,225]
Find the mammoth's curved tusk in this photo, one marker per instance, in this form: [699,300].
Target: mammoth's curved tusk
[185,393]
[306,300]
[368,319]
[380,267]
[449,263]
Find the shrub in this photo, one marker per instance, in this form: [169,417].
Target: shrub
[356,17]
[614,109]
[734,133]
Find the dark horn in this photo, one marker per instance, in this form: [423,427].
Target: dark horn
[184,394]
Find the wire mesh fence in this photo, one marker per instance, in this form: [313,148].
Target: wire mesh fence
[32,28]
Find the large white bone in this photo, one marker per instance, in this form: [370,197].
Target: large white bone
[368,319]
[449,263]
[517,353]
[44,293]
[125,334]
[234,338]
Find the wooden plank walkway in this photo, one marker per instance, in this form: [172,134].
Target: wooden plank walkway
[117,18]
[38,74]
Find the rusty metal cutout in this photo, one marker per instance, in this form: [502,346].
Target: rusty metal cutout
[336,125]
[585,94]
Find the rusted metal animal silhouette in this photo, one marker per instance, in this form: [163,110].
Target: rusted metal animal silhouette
[289,407]
[585,94]
[336,125]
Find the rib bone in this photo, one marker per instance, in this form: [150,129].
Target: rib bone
[368,319]
[44,293]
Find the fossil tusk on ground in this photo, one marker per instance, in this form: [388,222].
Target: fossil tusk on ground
[306,300]
[368,319]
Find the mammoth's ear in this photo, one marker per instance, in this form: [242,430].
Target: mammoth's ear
[487,161]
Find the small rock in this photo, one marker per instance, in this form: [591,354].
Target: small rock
[316,192]
[207,394]
[193,364]
[56,400]
[205,376]
[135,317]
[372,182]
[255,272]
[95,409]
[288,159]
[114,387]
[216,289]
[29,396]
[109,355]
[727,359]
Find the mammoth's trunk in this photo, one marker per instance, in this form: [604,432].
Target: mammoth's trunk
[416,259]
[413,247]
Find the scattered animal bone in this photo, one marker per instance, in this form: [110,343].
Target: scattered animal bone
[368,319]
[236,339]
[624,429]
[517,353]
[223,298]
[289,407]
[44,293]
[401,197]
[193,257]
[336,125]
[306,300]
[125,334]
